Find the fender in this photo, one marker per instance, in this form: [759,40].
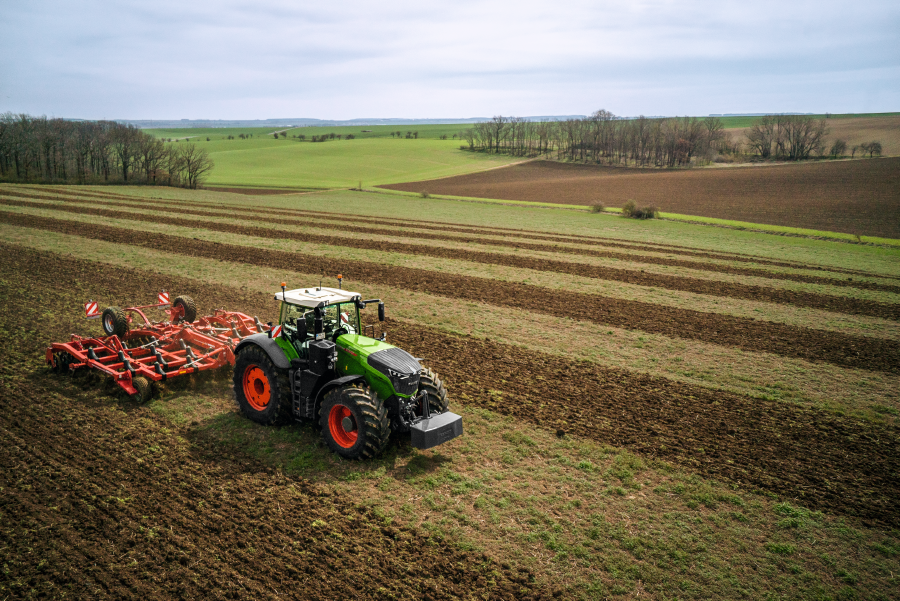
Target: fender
[337,383]
[267,344]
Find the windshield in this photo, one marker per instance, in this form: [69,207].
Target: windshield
[345,316]
[334,317]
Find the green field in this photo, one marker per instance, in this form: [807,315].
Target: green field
[372,158]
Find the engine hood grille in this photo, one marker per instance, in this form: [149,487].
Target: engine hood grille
[399,366]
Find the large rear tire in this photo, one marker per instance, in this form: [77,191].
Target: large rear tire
[263,391]
[188,309]
[437,394]
[114,321]
[354,422]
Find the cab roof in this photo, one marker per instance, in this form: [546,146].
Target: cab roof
[315,296]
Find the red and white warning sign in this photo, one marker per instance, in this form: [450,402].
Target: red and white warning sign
[275,332]
[163,298]
[91,310]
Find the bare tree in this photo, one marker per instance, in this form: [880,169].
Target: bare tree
[800,135]
[194,164]
[125,144]
[838,148]
[761,136]
[873,148]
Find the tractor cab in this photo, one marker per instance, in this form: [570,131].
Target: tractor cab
[338,310]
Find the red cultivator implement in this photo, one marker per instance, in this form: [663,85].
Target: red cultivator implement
[136,350]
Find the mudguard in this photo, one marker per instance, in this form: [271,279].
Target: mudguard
[337,383]
[267,344]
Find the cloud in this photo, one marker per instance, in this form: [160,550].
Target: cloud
[126,59]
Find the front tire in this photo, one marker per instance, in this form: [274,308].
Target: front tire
[263,391]
[354,422]
[437,394]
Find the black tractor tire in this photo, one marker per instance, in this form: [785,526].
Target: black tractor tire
[142,385]
[114,321]
[263,391]
[188,308]
[358,406]
[437,394]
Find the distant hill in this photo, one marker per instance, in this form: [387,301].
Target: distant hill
[303,121]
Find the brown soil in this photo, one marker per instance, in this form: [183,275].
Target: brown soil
[856,197]
[100,503]
[745,333]
[810,300]
[821,460]
[443,226]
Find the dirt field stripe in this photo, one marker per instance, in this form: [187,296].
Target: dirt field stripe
[837,304]
[750,335]
[444,226]
[826,461]
[478,239]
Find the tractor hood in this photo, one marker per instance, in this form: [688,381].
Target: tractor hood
[398,366]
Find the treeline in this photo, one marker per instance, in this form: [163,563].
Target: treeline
[38,149]
[603,138]
[657,142]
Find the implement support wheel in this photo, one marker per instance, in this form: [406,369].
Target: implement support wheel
[262,390]
[142,385]
[186,308]
[114,321]
[354,422]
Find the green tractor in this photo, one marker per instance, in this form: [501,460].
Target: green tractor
[318,365]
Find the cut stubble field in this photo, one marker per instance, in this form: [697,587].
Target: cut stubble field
[649,470]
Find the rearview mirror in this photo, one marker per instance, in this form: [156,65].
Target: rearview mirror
[380,311]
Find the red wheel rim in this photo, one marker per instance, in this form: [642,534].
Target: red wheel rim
[256,388]
[343,437]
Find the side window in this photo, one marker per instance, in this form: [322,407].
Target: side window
[348,317]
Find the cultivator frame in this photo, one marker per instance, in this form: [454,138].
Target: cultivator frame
[158,350]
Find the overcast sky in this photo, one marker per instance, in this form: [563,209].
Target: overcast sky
[166,59]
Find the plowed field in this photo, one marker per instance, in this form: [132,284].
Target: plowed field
[106,504]
[744,333]
[856,197]
[763,444]
[101,498]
